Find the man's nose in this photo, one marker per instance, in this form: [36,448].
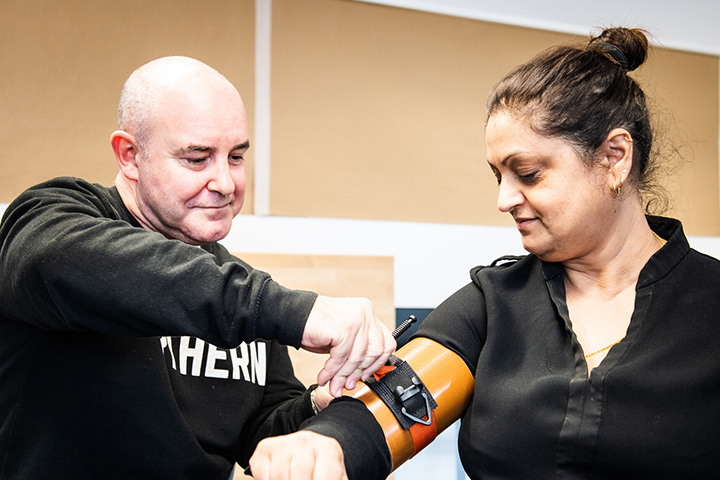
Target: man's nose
[222,180]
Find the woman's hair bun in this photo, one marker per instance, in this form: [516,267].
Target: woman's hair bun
[628,47]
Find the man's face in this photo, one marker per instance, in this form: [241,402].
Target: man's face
[191,173]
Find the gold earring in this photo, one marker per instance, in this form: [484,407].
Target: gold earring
[628,138]
[617,187]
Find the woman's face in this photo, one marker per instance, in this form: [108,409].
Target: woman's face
[561,206]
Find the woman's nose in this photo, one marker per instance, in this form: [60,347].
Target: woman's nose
[509,196]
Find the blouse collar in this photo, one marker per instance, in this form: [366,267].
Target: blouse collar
[664,260]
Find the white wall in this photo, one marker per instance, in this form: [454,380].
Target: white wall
[431,261]
[690,25]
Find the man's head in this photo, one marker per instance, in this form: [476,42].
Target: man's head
[180,146]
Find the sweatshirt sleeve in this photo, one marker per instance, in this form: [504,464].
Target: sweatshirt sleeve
[285,406]
[72,258]
[361,438]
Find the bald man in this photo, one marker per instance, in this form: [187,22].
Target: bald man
[132,344]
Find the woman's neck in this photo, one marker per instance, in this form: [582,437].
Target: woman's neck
[615,264]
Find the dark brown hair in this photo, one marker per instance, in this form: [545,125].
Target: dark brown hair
[582,92]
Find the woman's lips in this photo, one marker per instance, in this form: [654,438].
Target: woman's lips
[523,223]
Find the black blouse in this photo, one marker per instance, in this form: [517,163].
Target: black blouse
[651,409]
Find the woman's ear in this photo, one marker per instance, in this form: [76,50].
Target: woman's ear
[620,145]
[619,154]
[126,151]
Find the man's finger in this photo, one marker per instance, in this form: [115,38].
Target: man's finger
[298,456]
[389,344]
[303,465]
[346,355]
[330,465]
[348,373]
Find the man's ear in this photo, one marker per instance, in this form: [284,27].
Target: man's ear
[126,152]
[619,153]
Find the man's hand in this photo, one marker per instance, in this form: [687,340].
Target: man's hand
[298,456]
[358,343]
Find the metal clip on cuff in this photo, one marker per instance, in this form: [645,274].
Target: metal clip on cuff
[401,389]
[406,395]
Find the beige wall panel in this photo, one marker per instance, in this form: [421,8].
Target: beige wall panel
[378,113]
[333,275]
[65,63]
[683,92]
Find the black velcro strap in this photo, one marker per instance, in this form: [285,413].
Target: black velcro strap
[402,390]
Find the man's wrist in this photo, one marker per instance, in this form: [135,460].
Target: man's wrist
[312,401]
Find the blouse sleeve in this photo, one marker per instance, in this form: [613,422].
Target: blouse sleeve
[459,323]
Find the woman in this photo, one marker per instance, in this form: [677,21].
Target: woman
[595,356]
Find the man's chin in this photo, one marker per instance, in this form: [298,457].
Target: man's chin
[208,234]
[214,237]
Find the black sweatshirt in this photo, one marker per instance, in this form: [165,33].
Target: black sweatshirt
[651,409]
[103,373]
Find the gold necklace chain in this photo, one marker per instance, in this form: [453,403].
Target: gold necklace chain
[662,240]
[604,348]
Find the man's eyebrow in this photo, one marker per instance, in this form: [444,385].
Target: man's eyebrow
[194,149]
[205,149]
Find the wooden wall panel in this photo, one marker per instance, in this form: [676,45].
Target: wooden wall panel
[333,275]
[378,112]
[65,63]
[683,90]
